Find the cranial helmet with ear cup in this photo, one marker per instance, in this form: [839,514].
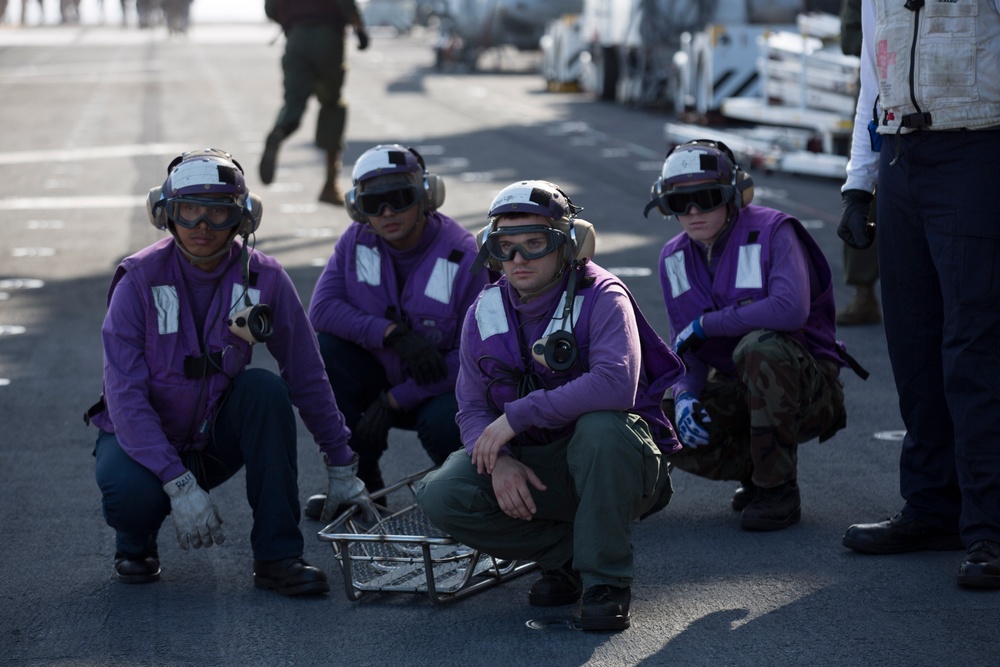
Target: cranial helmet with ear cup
[386,159]
[701,160]
[549,201]
[204,172]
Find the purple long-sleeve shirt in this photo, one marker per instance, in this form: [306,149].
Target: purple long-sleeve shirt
[785,308]
[345,303]
[151,407]
[610,383]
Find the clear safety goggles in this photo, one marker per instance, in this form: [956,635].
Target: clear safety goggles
[218,214]
[399,200]
[542,241]
[705,198]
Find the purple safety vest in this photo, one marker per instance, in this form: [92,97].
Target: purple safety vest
[186,411]
[427,300]
[660,367]
[741,277]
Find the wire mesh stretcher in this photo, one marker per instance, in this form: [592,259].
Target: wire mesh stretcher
[404,553]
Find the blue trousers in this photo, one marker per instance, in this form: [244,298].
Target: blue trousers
[254,428]
[939,254]
[357,379]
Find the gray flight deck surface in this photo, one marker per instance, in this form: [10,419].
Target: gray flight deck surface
[89,118]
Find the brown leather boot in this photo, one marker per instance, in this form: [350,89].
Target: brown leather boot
[331,193]
[863,308]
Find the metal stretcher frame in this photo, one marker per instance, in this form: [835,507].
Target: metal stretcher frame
[404,553]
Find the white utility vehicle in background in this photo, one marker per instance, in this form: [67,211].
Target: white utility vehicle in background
[773,62]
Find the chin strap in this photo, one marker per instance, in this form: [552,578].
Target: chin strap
[245,268]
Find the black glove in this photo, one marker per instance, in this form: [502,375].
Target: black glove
[372,431]
[362,39]
[855,228]
[423,359]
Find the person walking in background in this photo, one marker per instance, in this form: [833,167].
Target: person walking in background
[314,63]
[931,72]
[860,264]
[749,297]
[181,411]
[388,310]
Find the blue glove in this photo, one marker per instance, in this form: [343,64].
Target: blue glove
[690,339]
[692,420]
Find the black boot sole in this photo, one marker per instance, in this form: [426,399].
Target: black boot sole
[553,600]
[760,525]
[308,588]
[604,623]
[944,543]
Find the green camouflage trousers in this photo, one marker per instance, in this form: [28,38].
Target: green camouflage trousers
[314,64]
[781,397]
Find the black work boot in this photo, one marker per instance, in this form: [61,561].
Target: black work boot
[746,492]
[902,533]
[981,568]
[137,569]
[606,608]
[556,587]
[773,509]
[289,576]
[269,159]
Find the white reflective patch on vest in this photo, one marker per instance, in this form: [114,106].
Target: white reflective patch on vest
[748,273]
[167,308]
[558,322]
[490,315]
[369,265]
[442,281]
[238,303]
[676,274]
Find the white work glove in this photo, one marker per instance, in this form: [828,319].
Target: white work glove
[692,420]
[345,487]
[196,519]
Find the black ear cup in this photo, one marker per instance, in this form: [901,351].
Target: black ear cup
[434,191]
[155,209]
[351,204]
[586,239]
[252,215]
[254,324]
[432,184]
[557,351]
[744,187]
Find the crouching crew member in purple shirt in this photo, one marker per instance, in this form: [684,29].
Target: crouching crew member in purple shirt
[750,302]
[559,397]
[181,412]
[388,310]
